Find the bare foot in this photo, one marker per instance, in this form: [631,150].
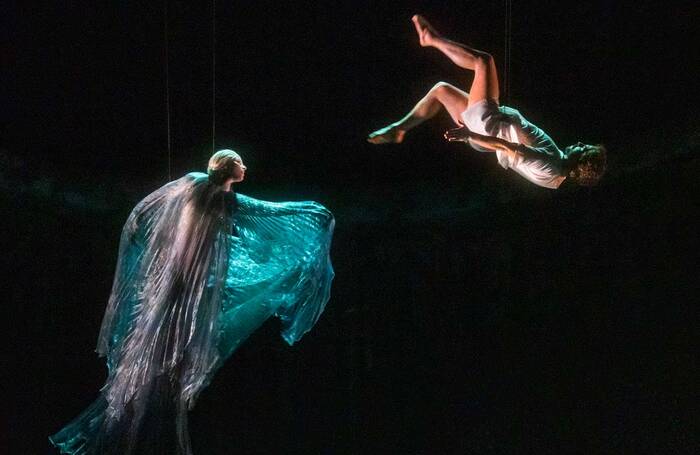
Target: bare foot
[426,32]
[387,135]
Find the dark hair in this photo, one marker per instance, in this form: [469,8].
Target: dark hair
[591,163]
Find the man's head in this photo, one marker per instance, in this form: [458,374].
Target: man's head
[588,163]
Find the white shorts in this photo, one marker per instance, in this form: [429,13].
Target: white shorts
[485,117]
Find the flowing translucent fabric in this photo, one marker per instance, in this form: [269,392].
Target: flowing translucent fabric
[199,269]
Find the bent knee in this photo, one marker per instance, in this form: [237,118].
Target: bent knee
[449,94]
[483,61]
[442,88]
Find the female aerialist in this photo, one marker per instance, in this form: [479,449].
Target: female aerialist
[488,127]
[199,269]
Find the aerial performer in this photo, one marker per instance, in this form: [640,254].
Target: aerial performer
[489,127]
[200,268]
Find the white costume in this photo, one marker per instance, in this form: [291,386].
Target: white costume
[543,167]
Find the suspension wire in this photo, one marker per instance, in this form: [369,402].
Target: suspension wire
[213,76]
[510,45]
[507,41]
[167,85]
[504,89]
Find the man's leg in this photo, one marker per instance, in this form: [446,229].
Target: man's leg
[485,84]
[454,100]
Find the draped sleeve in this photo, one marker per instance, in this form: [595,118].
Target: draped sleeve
[159,332]
[122,306]
[280,256]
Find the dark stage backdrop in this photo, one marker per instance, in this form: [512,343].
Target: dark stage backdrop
[471,313]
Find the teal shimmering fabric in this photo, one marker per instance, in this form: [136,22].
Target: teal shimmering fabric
[199,270]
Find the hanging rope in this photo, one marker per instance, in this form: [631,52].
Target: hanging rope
[213,76]
[508,9]
[167,85]
[167,82]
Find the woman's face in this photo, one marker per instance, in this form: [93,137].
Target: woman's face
[238,174]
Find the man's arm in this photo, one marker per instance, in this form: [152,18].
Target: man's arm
[490,143]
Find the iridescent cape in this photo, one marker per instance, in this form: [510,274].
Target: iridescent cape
[199,269]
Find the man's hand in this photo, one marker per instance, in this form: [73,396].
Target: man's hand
[485,143]
[461,134]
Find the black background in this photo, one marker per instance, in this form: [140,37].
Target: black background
[472,312]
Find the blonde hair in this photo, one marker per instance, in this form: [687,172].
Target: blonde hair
[221,165]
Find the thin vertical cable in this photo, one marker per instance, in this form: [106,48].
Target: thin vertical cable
[507,51]
[510,45]
[213,77]
[167,85]
[507,42]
